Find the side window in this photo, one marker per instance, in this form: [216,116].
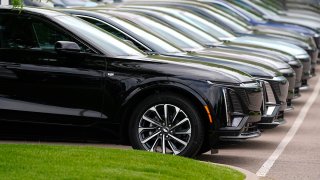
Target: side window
[114,32]
[47,36]
[13,36]
[35,34]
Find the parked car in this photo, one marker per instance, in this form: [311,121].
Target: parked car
[307,38]
[209,41]
[129,27]
[55,74]
[60,3]
[229,38]
[270,15]
[259,23]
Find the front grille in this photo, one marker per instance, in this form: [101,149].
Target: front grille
[233,106]
[235,102]
[313,55]
[317,40]
[269,92]
[276,87]
[244,97]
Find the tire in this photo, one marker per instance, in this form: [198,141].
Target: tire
[185,125]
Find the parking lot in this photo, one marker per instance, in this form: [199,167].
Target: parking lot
[169,77]
[300,159]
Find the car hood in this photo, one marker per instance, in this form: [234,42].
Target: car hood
[288,27]
[283,36]
[299,21]
[253,68]
[302,15]
[184,67]
[246,56]
[270,44]
[261,52]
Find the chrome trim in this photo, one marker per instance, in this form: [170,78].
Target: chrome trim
[225,94]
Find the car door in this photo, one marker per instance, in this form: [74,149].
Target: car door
[39,84]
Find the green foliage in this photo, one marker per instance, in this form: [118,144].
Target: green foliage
[72,162]
[17,3]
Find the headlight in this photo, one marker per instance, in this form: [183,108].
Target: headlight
[294,63]
[250,85]
[302,56]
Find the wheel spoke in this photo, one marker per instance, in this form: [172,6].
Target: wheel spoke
[146,128]
[157,113]
[177,112]
[175,152]
[185,132]
[163,144]
[150,137]
[165,114]
[154,144]
[179,123]
[179,140]
[151,121]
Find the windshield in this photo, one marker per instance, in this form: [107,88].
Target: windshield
[197,21]
[249,14]
[246,7]
[187,29]
[152,41]
[262,9]
[165,32]
[223,20]
[105,42]
[203,24]
[231,11]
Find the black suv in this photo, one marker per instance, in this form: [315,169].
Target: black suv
[58,71]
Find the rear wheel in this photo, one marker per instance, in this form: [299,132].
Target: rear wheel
[168,124]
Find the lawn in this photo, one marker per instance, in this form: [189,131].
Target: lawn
[72,162]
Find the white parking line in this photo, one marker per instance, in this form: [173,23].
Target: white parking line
[263,171]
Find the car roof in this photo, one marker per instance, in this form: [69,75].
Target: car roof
[37,11]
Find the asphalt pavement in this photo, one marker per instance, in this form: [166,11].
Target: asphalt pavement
[289,152]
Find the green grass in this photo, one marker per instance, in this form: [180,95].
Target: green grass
[72,162]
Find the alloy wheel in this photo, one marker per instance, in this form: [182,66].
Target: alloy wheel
[165,128]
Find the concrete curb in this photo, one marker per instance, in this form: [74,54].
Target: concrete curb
[249,175]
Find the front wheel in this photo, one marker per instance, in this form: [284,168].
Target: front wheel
[168,124]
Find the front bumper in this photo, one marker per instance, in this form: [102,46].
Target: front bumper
[306,71]
[317,40]
[274,101]
[292,79]
[242,113]
[314,57]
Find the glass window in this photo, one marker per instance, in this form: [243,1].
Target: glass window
[228,21]
[206,26]
[102,40]
[114,32]
[47,36]
[232,13]
[152,41]
[35,34]
[13,37]
[165,32]
[191,31]
[246,7]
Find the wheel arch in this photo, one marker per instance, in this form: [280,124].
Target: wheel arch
[142,93]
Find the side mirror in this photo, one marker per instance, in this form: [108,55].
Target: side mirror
[67,46]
